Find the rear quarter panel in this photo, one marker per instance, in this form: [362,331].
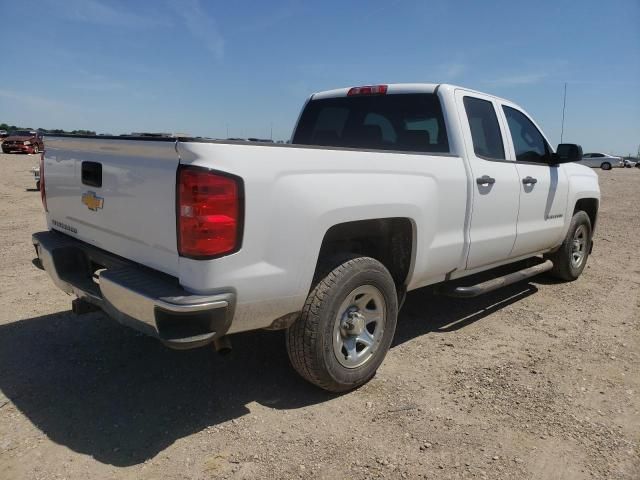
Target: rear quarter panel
[294,195]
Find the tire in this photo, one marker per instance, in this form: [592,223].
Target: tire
[565,264]
[605,166]
[36,149]
[336,344]
[38,186]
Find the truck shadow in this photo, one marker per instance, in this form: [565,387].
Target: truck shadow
[103,390]
[447,314]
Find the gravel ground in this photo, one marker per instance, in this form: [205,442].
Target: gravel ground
[539,380]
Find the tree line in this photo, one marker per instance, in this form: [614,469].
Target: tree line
[9,128]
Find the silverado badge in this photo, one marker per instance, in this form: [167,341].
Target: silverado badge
[92,201]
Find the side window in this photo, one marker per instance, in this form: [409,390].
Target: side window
[529,144]
[485,130]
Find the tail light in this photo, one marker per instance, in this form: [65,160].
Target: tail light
[43,192]
[367,90]
[209,211]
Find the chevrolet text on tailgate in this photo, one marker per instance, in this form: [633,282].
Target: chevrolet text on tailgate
[384,189]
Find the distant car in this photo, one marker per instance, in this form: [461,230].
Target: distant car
[600,160]
[3,135]
[23,141]
[630,163]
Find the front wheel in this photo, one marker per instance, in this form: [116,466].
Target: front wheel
[571,258]
[36,149]
[346,326]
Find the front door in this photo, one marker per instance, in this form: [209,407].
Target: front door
[543,186]
[495,182]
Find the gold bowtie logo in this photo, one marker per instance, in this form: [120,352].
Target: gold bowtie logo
[92,201]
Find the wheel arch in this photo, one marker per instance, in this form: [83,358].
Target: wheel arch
[391,241]
[590,207]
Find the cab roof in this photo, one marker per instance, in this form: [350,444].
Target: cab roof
[392,88]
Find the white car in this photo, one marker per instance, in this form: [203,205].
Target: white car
[629,163]
[384,189]
[601,160]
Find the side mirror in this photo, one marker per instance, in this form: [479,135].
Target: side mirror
[568,152]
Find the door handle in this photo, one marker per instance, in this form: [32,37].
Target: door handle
[485,180]
[529,181]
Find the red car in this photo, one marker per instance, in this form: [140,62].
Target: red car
[23,141]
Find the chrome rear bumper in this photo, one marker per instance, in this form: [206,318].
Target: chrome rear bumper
[136,296]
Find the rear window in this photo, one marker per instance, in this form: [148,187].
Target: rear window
[406,122]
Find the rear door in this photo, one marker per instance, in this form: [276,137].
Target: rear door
[118,195]
[543,186]
[495,182]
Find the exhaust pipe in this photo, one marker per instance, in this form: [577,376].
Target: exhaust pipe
[222,345]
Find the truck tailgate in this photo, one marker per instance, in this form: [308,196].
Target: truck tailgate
[118,195]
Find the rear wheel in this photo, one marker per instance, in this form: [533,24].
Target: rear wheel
[605,166]
[571,258]
[346,326]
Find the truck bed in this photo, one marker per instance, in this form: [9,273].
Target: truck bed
[292,195]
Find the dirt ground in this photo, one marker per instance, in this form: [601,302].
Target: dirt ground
[540,380]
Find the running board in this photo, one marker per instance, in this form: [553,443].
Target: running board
[495,283]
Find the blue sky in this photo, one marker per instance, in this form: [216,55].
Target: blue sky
[201,67]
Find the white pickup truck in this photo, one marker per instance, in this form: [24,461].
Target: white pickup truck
[384,189]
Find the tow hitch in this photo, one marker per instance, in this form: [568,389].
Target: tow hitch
[80,307]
